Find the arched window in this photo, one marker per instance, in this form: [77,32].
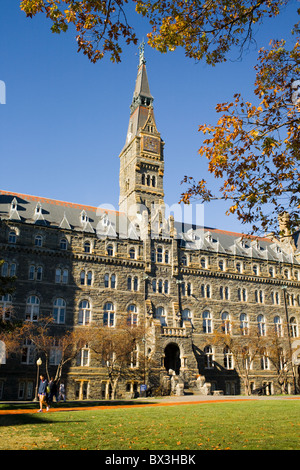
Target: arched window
[132,253]
[87,247]
[84,315]
[278,326]
[293,327]
[63,244]
[228,358]
[109,315]
[186,315]
[225,323]
[32,308]
[159,255]
[209,358]
[261,325]
[132,317]
[184,260]
[59,310]
[38,241]
[5,306]
[110,250]
[89,278]
[244,324]
[207,322]
[12,237]
[161,315]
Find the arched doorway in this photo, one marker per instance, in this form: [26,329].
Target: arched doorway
[172,357]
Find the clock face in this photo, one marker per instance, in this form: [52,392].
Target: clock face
[151,144]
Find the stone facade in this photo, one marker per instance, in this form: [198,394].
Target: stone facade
[184,281]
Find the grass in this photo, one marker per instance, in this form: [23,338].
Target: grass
[249,425]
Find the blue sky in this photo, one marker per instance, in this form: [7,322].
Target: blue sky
[65,119]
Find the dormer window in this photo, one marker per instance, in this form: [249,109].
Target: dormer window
[14,205]
[38,209]
[83,217]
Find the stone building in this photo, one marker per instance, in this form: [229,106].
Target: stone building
[86,265]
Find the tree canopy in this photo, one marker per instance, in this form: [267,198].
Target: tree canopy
[254,148]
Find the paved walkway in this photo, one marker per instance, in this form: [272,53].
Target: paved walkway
[154,402]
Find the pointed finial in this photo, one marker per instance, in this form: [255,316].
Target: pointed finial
[142,53]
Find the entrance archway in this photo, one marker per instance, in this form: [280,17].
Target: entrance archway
[172,357]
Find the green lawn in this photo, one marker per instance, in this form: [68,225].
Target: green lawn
[251,425]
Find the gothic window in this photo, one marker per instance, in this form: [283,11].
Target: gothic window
[225,323]
[278,326]
[205,291]
[87,247]
[12,237]
[110,250]
[82,278]
[186,315]
[38,241]
[161,315]
[110,281]
[203,263]
[275,298]
[159,254]
[228,358]
[224,293]
[5,306]
[221,265]
[32,308]
[206,322]
[83,357]
[84,315]
[63,244]
[132,315]
[242,295]
[293,327]
[166,256]
[55,352]
[209,358]
[133,283]
[264,360]
[35,273]
[109,315]
[132,253]
[259,297]
[255,270]
[28,352]
[4,269]
[59,310]
[143,178]
[244,324]
[153,182]
[261,323]
[184,260]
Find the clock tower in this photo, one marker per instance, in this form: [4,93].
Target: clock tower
[141,160]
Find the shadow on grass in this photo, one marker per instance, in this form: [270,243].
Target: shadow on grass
[71,404]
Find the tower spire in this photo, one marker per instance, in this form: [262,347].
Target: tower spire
[141,160]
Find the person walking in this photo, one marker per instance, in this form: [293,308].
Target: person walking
[62,392]
[42,392]
[53,390]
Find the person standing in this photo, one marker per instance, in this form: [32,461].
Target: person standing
[42,392]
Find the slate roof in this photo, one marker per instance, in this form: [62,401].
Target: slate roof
[47,212]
